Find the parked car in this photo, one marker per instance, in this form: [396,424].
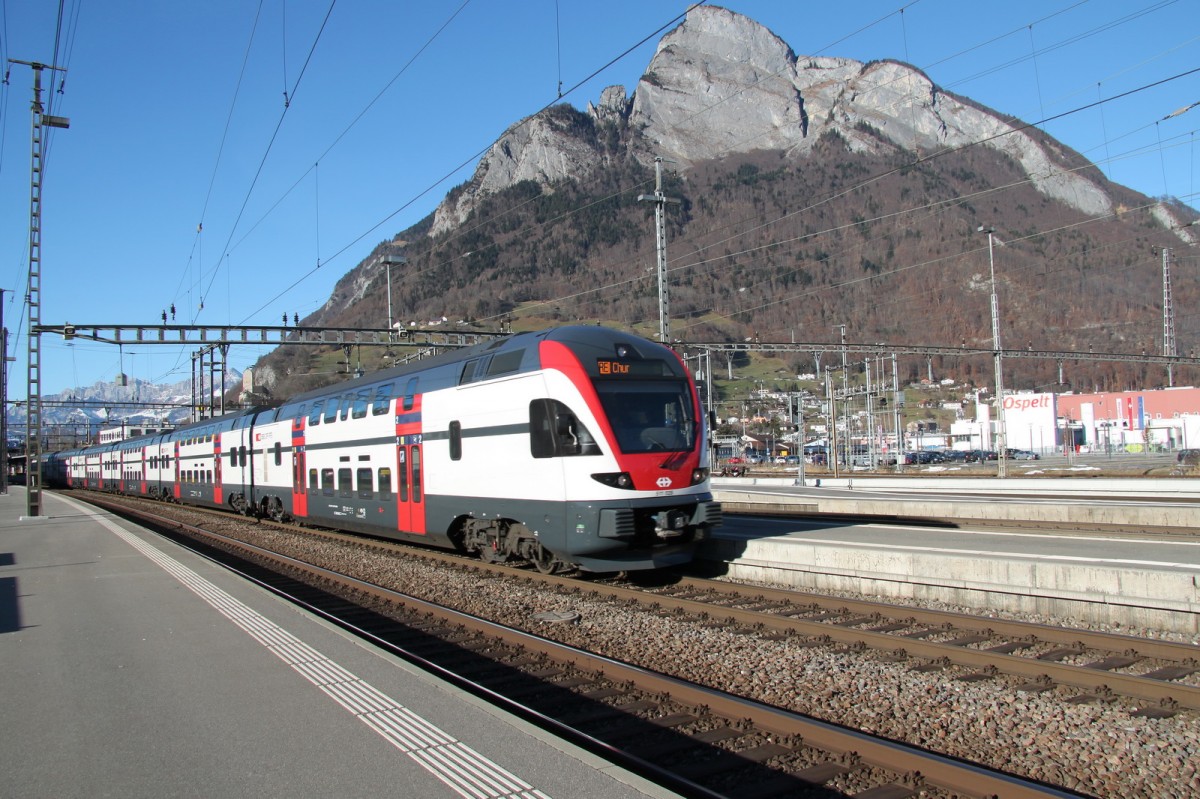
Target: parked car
[953,455]
[792,459]
[1022,455]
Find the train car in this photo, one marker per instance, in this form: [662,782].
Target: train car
[575,447]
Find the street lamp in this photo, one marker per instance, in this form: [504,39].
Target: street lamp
[388,260]
[997,358]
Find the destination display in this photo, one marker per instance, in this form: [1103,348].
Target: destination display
[610,367]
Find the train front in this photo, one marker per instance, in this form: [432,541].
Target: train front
[644,501]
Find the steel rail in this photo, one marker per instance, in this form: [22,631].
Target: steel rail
[1160,692]
[894,757]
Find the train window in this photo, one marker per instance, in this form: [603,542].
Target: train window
[327,482]
[208,476]
[416,474]
[331,408]
[233,456]
[315,416]
[242,455]
[360,403]
[410,393]
[505,362]
[554,431]
[385,484]
[541,427]
[345,483]
[278,454]
[347,401]
[650,416]
[403,458]
[383,396]
[456,441]
[312,481]
[364,483]
[468,372]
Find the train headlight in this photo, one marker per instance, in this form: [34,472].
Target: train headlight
[615,479]
[699,476]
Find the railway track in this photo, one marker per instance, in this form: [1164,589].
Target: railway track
[695,739]
[1102,665]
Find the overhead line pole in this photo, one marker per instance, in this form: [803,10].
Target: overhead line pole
[660,236]
[997,362]
[33,447]
[1168,345]
[3,399]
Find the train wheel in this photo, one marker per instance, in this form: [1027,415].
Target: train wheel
[545,561]
[275,510]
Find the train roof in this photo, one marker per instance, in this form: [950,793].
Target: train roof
[593,337]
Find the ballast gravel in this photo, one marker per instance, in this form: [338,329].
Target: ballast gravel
[1098,749]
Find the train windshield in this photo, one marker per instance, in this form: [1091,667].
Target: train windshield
[650,415]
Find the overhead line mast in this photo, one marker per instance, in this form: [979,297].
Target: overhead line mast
[33,445]
[660,236]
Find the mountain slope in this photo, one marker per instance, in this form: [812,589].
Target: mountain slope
[815,192]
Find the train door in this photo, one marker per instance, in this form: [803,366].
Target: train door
[299,470]
[410,489]
[218,488]
[143,474]
[178,487]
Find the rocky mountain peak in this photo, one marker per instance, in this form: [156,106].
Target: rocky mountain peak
[721,84]
[613,107]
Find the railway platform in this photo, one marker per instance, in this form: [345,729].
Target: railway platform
[940,545]
[135,668]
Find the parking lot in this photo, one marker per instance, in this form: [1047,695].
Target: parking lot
[1045,464]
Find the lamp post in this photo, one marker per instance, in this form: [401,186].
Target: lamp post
[388,260]
[997,358]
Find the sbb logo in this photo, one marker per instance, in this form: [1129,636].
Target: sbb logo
[664,482]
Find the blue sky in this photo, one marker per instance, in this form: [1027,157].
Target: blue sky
[389,104]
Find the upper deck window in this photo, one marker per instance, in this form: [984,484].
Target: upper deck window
[383,398]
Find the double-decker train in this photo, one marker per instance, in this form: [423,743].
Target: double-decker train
[572,448]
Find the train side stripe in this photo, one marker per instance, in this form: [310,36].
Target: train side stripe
[465,771]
